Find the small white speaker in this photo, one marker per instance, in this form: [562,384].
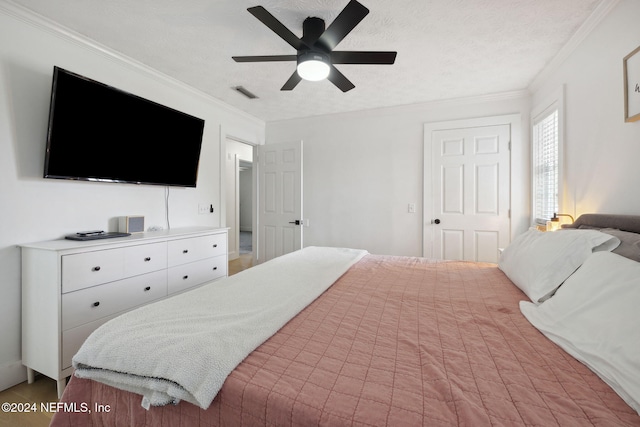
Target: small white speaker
[131,224]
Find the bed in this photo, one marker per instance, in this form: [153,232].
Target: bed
[410,341]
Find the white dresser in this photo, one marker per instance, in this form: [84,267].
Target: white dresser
[69,288]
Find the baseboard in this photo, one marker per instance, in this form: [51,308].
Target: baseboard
[246,228]
[12,374]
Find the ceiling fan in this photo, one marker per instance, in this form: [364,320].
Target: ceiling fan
[316,57]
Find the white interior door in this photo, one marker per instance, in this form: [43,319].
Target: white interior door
[470,192]
[279,199]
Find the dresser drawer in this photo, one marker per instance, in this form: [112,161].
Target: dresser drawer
[73,338]
[90,304]
[91,268]
[184,251]
[214,245]
[188,275]
[145,258]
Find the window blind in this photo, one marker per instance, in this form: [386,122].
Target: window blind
[545,166]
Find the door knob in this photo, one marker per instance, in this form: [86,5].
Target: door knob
[296,222]
[436,221]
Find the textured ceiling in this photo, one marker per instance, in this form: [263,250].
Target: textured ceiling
[446,48]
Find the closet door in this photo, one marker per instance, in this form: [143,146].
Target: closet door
[469,192]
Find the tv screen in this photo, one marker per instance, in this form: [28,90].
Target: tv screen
[100,133]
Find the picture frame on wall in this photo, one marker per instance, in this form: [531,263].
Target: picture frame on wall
[631,64]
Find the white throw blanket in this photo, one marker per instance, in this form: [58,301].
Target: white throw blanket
[184,347]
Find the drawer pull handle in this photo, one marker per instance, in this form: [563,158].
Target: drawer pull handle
[185,251]
[185,277]
[95,304]
[147,259]
[215,268]
[96,268]
[148,288]
[215,245]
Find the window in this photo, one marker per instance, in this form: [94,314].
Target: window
[546,164]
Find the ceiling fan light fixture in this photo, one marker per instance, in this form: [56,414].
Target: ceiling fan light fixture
[313,66]
[315,54]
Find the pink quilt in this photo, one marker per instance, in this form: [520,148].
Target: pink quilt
[396,341]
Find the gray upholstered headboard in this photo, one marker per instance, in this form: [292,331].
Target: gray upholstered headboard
[629,223]
[624,227]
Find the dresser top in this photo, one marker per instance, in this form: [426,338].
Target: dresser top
[136,238]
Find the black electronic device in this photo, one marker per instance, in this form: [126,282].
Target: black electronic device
[90,233]
[100,133]
[95,235]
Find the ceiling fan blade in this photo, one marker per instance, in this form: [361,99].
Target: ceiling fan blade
[354,57]
[338,79]
[292,82]
[277,27]
[265,58]
[346,21]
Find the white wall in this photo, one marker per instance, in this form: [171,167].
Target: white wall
[362,169]
[602,152]
[33,208]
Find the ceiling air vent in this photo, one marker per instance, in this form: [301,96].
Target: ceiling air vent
[245,92]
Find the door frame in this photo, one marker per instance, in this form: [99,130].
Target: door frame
[515,123]
[224,137]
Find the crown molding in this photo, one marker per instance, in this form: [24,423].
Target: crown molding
[421,106]
[47,25]
[597,16]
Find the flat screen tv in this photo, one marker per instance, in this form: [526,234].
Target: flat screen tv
[100,133]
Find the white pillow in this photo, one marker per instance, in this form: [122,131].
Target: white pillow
[594,317]
[538,262]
